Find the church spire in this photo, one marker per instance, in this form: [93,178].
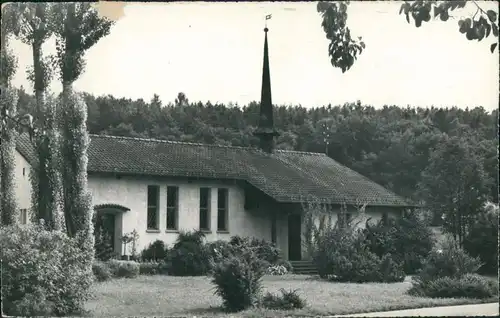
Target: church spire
[266,131]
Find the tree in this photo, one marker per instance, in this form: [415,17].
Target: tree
[181,100]
[77,27]
[8,103]
[34,31]
[454,184]
[343,49]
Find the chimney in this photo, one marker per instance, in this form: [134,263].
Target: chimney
[266,131]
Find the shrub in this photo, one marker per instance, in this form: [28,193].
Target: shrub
[286,264]
[468,285]
[155,251]
[124,269]
[43,271]
[265,250]
[288,300]
[101,271]
[389,236]
[153,268]
[189,257]
[238,279]
[342,255]
[448,260]
[277,270]
[482,240]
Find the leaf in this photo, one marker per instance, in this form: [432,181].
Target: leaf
[493,46]
[408,18]
[437,11]
[444,16]
[494,27]
[492,15]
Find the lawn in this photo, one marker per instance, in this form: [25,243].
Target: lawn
[194,296]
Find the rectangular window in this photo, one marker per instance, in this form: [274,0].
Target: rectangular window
[222,210]
[172,207]
[205,209]
[23,218]
[153,202]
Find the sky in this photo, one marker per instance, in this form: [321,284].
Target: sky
[213,52]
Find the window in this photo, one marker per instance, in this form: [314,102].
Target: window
[24,171]
[222,210]
[172,207]
[205,209]
[23,218]
[153,215]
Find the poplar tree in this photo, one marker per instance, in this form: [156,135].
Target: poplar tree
[34,29]
[8,102]
[77,27]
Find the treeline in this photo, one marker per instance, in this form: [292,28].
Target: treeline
[391,145]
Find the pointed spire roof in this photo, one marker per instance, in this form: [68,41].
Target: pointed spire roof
[266,131]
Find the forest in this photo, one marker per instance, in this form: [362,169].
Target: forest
[405,149]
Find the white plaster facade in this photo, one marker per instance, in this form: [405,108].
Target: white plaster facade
[131,193]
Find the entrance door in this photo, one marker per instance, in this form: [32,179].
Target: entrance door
[105,233]
[294,237]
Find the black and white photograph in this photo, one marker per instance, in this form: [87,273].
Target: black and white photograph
[249,159]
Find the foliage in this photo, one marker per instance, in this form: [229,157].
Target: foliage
[277,270]
[238,279]
[125,269]
[286,264]
[102,271]
[389,236]
[447,260]
[468,285]
[156,251]
[8,204]
[189,256]
[76,199]
[342,255]
[131,237]
[153,268]
[482,239]
[46,269]
[77,27]
[265,250]
[102,243]
[474,29]
[288,300]
[343,49]
[455,184]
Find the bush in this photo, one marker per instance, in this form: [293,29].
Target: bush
[155,251]
[277,270]
[43,271]
[124,269]
[101,271]
[189,256]
[393,237]
[468,285]
[482,240]
[153,268]
[288,300]
[288,266]
[448,260]
[342,255]
[265,250]
[238,279]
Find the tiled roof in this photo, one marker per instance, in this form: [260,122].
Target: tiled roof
[286,176]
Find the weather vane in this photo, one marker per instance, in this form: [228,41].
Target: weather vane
[267,18]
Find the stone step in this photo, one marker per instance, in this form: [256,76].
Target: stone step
[304,267]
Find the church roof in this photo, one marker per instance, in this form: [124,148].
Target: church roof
[286,176]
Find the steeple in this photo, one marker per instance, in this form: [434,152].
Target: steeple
[266,131]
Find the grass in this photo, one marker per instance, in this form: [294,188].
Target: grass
[194,296]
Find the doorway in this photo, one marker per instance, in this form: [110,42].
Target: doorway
[294,237]
[104,232]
